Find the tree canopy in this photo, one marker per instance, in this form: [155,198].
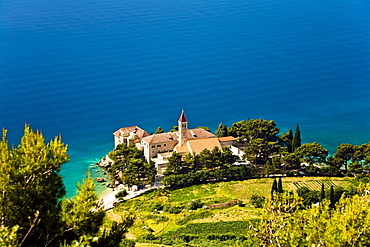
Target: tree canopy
[33,211]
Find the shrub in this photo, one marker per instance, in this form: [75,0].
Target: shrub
[195,204]
[175,210]
[157,206]
[257,201]
[122,193]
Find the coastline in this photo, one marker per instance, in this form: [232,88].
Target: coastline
[108,197]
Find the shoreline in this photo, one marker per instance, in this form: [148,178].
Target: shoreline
[108,197]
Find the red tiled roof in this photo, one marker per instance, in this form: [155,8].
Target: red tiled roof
[182,118]
[140,133]
[226,139]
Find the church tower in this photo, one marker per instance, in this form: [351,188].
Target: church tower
[183,126]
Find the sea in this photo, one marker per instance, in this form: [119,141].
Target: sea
[85,68]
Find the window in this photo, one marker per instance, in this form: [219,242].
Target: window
[153,146]
[164,145]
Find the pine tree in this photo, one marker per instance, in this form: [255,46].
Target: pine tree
[296,143]
[30,186]
[280,186]
[221,130]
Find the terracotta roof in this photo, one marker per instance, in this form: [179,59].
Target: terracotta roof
[227,139]
[140,133]
[163,137]
[182,118]
[198,133]
[198,145]
[182,150]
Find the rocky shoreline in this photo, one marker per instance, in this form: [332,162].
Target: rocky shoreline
[106,163]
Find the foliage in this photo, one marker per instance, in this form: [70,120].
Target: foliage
[309,196]
[296,142]
[32,212]
[30,186]
[205,160]
[131,162]
[274,187]
[221,130]
[195,204]
[122,193]
[224,174]
[280,186]
[257,201]
[261,137]
[312,153]
[8,236]
[286,139]
[272,166]
[346,225]
[159,130]
[82,214]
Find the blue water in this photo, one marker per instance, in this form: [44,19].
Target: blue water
[86,68]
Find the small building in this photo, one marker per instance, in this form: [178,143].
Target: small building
[129,135]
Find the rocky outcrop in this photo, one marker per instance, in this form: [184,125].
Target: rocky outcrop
[105,162]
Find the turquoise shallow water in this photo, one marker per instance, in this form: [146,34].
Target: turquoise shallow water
[86,68]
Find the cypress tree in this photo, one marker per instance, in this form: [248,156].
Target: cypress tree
[331,197]
[296,143]
[274,188]
[280,186]
[322,195]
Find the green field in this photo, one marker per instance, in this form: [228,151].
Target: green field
[161,212]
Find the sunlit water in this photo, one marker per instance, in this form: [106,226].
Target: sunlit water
[86,68]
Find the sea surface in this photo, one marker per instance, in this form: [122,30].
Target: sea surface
[85,68]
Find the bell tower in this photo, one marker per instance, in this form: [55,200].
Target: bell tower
[183,126]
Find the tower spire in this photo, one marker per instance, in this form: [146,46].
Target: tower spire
[183,126]
[182,118]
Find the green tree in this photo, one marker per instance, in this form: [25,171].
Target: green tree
[228,158]
[274,187]
[332,197]
[282,224]
[30,186]
[261,137]
[205,159]
[175,165]
[272,166]
[322,193]
[83,214]
[291,160]
[312,153]
[280,186]
[255,129]
[221,130]
[131,162]
[345,152]
[296,142]
[159,130]
[286,139]
[32,211]
[174,128]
